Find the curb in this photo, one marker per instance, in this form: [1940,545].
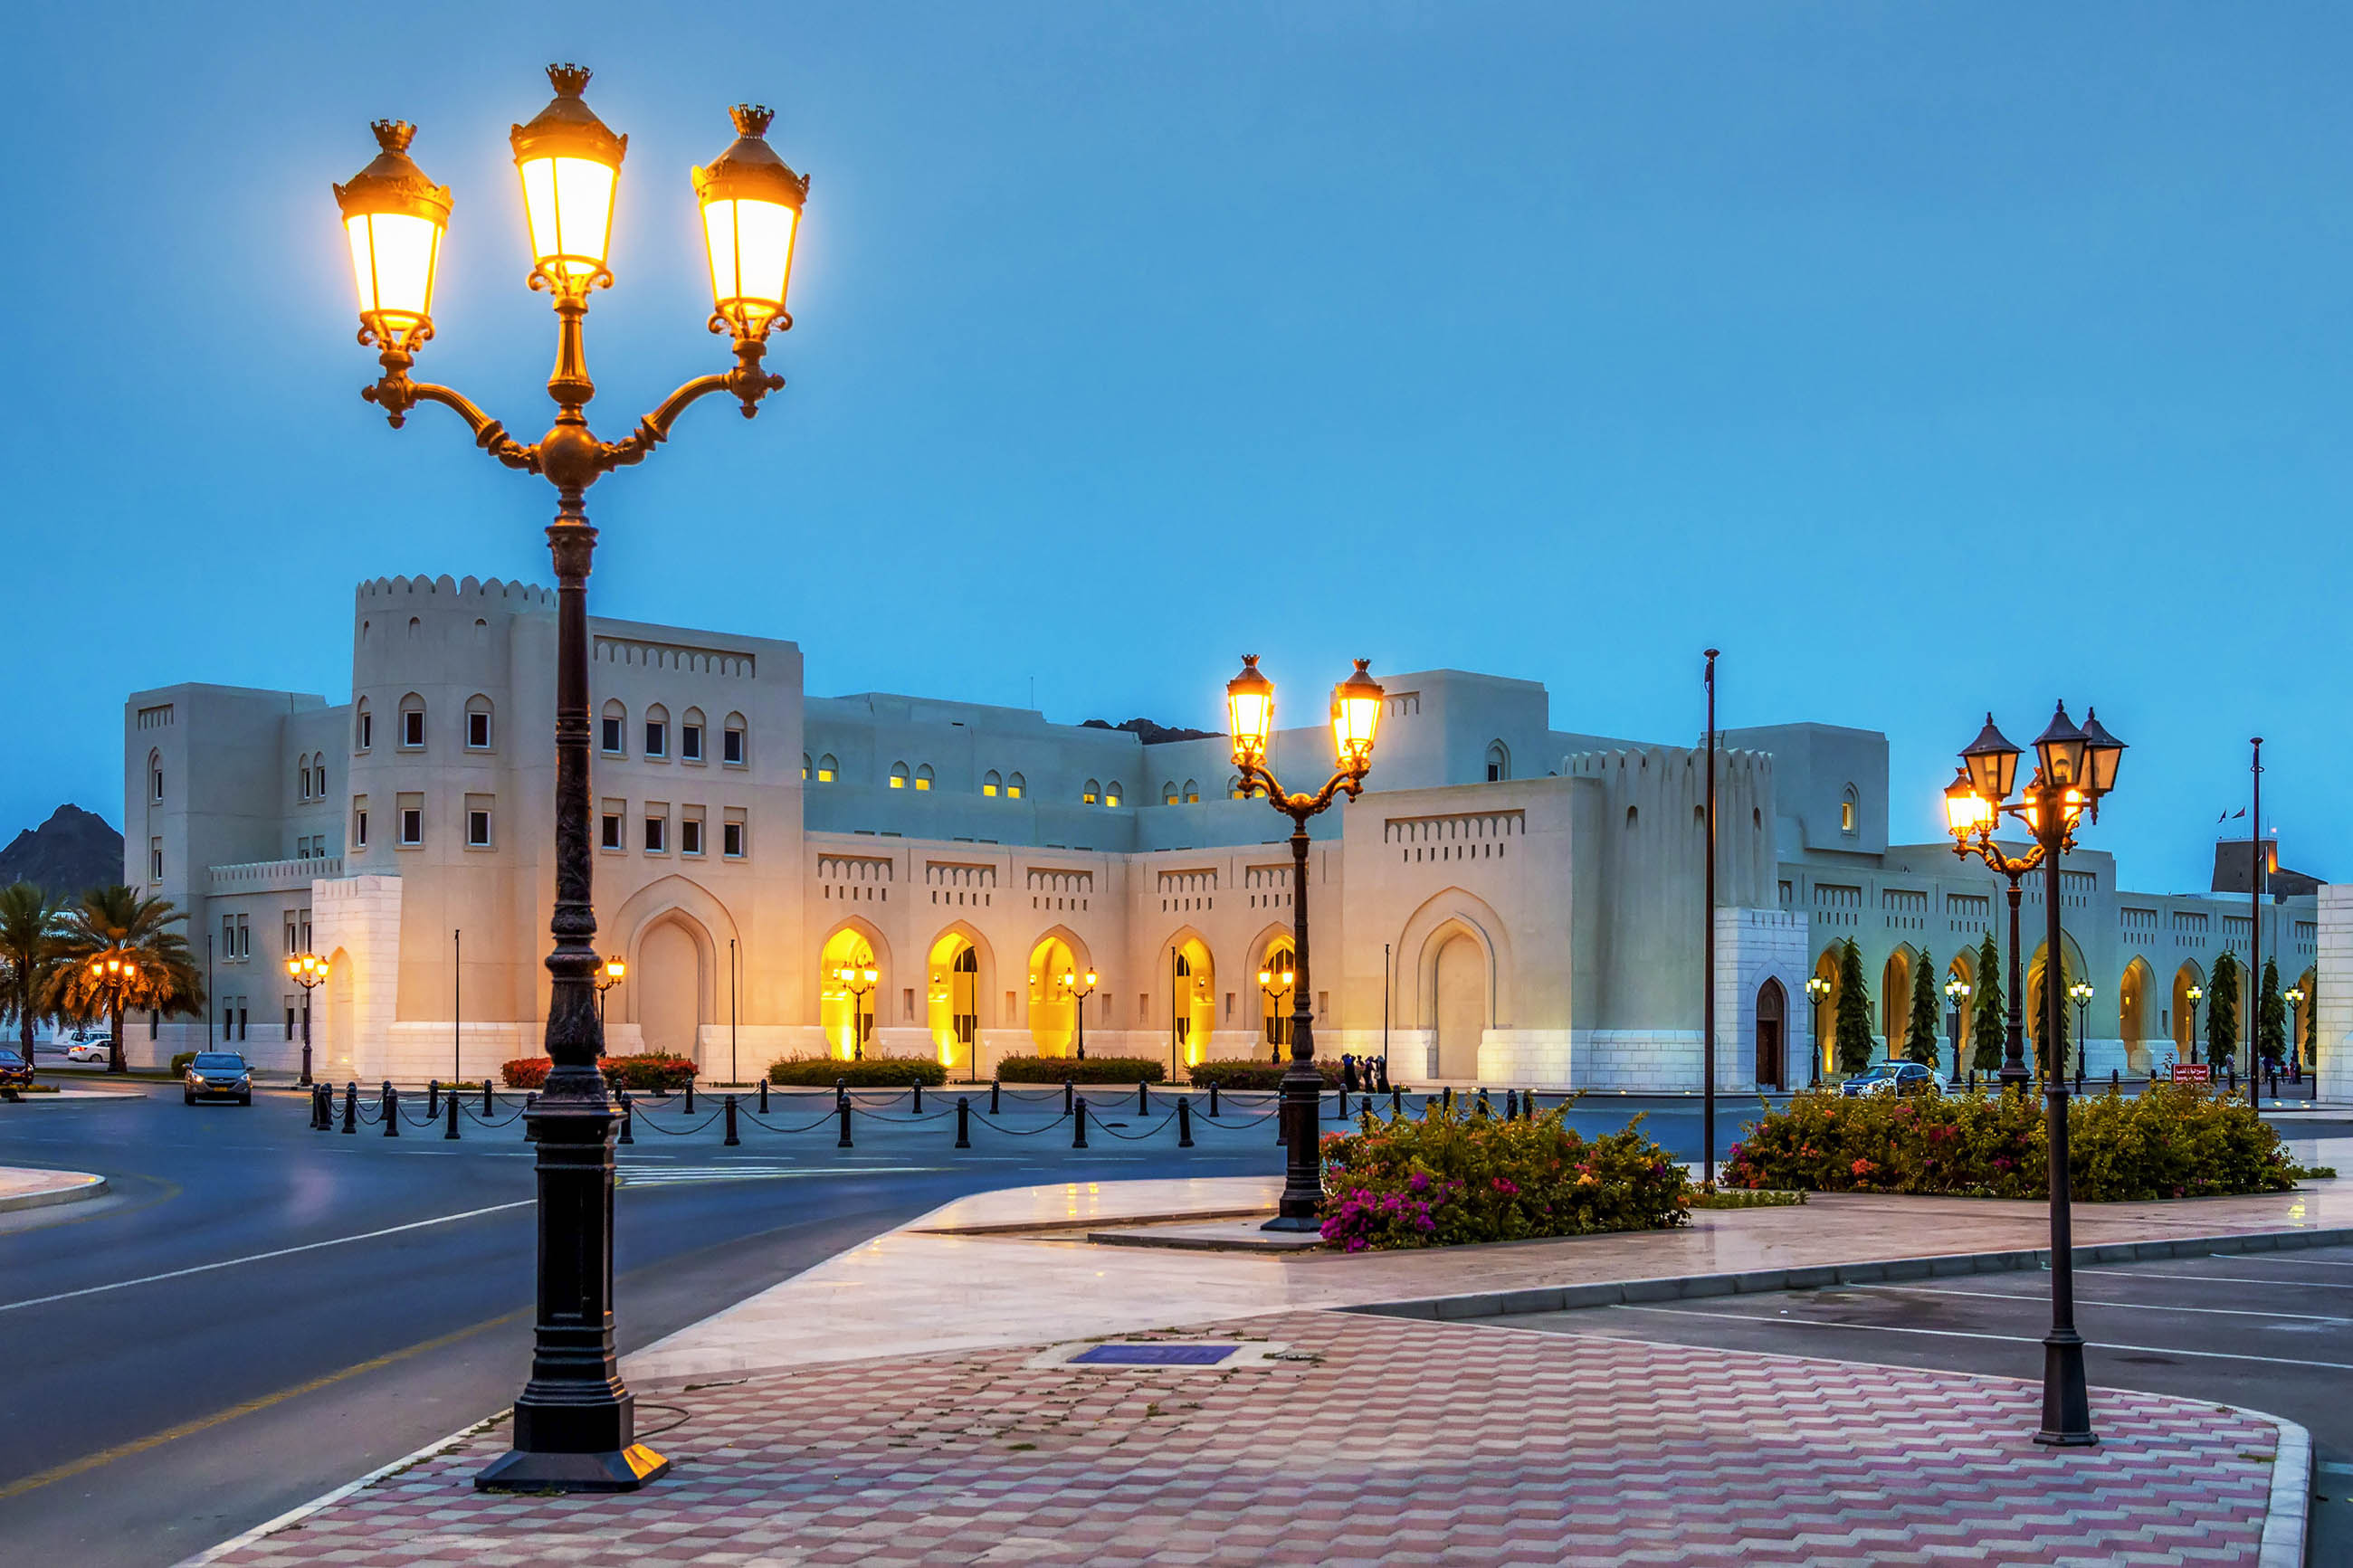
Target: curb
[2287,1521]
[87,1187]
[1686,1287]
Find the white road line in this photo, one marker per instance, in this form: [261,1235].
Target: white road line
[264,1256]
[2000,1338]
[2259,1257]
[2125,1306]
[2218,1278]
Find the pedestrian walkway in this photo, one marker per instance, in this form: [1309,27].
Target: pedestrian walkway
[26,1188]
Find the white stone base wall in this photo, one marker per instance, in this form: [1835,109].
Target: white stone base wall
[356,924]
[1633,1059]
[417,1051]
[2333,1030]
[1526,1059]
[1751,947]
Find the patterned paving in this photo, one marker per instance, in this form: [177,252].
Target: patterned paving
[1384,1442]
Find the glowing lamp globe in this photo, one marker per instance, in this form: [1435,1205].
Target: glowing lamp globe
[1356,704]
[1965,810]
[751,215]
[1250,712]
[570,162]
[394,218]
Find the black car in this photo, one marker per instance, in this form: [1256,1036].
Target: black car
[14,1076]
[217,1075]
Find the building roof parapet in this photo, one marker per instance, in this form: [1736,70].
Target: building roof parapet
[272,876]
[517,591]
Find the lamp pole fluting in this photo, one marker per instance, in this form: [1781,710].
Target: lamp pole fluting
[574,1424]
[1356,705]
[1707,961]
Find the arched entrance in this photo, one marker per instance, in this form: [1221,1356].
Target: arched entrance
[1461,991]
[666,984]
[953,998]
[1771,1059]
[1824,1021]
[1275,1000]
[845,1008]
[1053,1016]
[2185,1015]
[342,1046]
[1193,999]
[2132,1014]
[1895,1001]
[2070,969]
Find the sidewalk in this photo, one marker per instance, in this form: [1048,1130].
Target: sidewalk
[25,1188]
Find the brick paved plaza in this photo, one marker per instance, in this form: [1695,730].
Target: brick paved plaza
[1384,1441]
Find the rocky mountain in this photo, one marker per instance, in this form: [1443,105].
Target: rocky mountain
[1150,733]
[73,851]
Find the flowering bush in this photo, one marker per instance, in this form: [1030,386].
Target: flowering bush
[525,1072]
[2169,1141]
[1230,1073]
[1453,1177]
[649,1071]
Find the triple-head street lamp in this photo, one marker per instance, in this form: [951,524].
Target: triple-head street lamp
[1274,985]
[1077,989]
[111,975]
[574,1423]
[859,980]
[1818,991]
[2293,998]
[2078,768]
[1356,704]
[309,971]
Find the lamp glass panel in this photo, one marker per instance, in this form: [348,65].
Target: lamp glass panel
[1252,713]
[393,261]
[1354,721]
[749,246]
[570,204]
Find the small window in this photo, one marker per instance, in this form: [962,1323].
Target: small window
[1091,794]
[730,840]
[805,765]
[1014,787]
[478,827]
[731,747]
[990,784]
[1850,812]
[478,724]
[923,776]
[898,775]
[656,732]
[1111,795]
[412,825]
[155,859]
[690,835]
[359,827]
[1499,761]
[615,738]
[365,736]
[156,785]
[1168,795]
[825,768]
[412,724]
[1192,791]
[610,837]
[656,833]
[690,742]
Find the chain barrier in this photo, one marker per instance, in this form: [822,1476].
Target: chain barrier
[805,1127]
[650,1125]
[1231,1124]
[1019,1131]
[902,1120]
[1103,1126]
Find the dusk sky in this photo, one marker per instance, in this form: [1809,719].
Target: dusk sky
[1925,359]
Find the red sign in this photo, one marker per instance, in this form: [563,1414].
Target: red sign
[2192,1072]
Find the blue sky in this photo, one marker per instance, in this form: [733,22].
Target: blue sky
[1923,358]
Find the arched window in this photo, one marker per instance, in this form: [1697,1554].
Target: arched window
[1499,761]
[689,736]
[154,775]
[1112,793]
[478,723]
[1091,794]
[1850,812]
[657,732]
[1014,786]
[363,728]
[1168,795]
[412,722]
[990,783]
[614,740]
[805,767]
[923,776]
[734,750]
[898,775]
[1192,792]
[1234,790]
[825,768]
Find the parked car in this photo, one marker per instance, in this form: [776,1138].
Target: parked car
[217,1075]
[89,1051]
[1894,1078]
[16,1075]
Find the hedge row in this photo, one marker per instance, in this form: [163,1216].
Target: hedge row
[648,1072]
[870,1073]
[1075,1070]
[1249,1072]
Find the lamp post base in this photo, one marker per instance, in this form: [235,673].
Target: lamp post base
[1294,1223]
[2066,1402]
[614,1470]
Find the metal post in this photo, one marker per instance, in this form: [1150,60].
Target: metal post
[306,1034]
[1303,1086]
[689,1097]
[964,1122]
[629,1119]
[389,1103]
[1213,1100]
[842,1106]
[996,1088]
[764,1095]
[2013,1073]
[457,1013]
[916,1108]
[1143,1098]
[734,1006]
[1067,1092]
[2254,988]
[453,1117]
[352,1106]
[433,1099]
[1707,976]
[1184,1122]
[1385,984]
[488,1104]
[731,1141]
[1079,1124]
[2066,1400]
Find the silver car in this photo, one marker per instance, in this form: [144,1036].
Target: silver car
[1893,1078]
[217,1075]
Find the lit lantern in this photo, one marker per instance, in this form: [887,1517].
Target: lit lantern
[570,162]
[750,216]
[1250,709]
[394,218]
[1964,809]
[616,970]
[1356,704]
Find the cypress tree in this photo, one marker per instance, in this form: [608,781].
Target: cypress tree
[1990,1033]
[2312,1027]
[2223,1011]
[2051,1055]
[1920,1034]
[1853,1032]
[2271,1016]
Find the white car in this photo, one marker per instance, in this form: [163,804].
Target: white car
[87,1051]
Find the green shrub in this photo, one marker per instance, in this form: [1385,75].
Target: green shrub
[1746,1198]
[1247,1072]
[1451,1178]
[1092,1069]
[873,1072]
[180,1061]
[2169,1141]
[650,1072]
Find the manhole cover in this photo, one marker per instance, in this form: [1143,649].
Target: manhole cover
[1153,1355]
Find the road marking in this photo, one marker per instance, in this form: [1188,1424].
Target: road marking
[2125,1305]
[680,1175]
[2219,1279]
[262,1256]
[2259,1257]
[89,1462]
[1999,1339]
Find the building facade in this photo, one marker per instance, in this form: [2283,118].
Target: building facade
[1508,901]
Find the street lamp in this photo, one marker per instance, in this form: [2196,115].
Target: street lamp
[2082,992]
[575,1423]
[1274,985]
[1356,704]
[2078,768]
[110,975]
[610,973]
[1078,994]
[1957,992]
[857,979]
[307,969]
[1818,991]
[2196,994]
[2293,998]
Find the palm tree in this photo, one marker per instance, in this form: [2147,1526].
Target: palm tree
[120,953]
[31,943]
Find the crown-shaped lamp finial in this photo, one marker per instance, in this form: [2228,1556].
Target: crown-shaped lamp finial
[569,80]
[752,119]
[392,136]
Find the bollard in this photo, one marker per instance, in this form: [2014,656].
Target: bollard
[1511,1105]
[352,1106]
[964,1122]
[529,1105]
[1144,1099]
[1079,1125]
[763,1096]
[389,1104]
[1396,1102]
[628,1118]
[433,1099]
[1484,1109]
[844,1109]
[2272,1072]
[453,1117]
[1184,1122]
[731,1140]
[2115,1079]
[1066,1096]
[1973,1081]
[917,1108]
[489,1105]
[1447,1104]
[841,1094]
[1213,1100]
[689,1097]
[995,1088]
[314,1108]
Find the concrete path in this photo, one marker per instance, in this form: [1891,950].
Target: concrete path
[22,1188]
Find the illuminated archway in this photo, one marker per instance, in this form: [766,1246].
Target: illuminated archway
[1895,999]
[847,1017]
[1053,1016]
[952,993]
[2187,1040]
[1193,997]
[2132,1014]
[1275,1000]
[2070,969]
[1824,1020]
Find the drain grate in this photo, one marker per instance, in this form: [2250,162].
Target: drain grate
[1153,1355]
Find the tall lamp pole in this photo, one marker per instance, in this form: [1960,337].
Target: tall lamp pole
[2251,1006]
[2081,993]
[2293,998]
[2196,994]
[574,1422]
[1707,961]
[1274,985]
[2078,768]
[1957,991]
[1818,991]
[1356,704]
[306,970]
[1079,989]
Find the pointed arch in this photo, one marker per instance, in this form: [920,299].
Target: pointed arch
[2183,1015]
[846,1012]
[1895,996]
[2134,989]
[1188,968]
[1053,1013]
[1449,911]
[960,975]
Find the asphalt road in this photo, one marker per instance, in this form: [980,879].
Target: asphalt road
[2267,1330]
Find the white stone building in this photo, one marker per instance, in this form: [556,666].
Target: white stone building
[1509,901]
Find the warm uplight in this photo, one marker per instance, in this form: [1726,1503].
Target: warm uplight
[1818,988]
[569,160]
[2196,992]
[1356,704]
[751,214]
[1265,977]
[1250,710]
[394,218]
[616,970]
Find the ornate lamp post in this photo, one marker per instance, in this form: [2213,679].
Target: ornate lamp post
[610,973]
[2293,998]
[574,1422]
[1957,991]
[2078,768]
[857,979]
[112,973]
[2196,994]
[307,969]
[2081,994]
[1818,991]
[1356,704]
[1078,992]
[1274,985]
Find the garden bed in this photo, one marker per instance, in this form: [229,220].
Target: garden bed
[1228,1073]
[871,1072]
[1078,1070]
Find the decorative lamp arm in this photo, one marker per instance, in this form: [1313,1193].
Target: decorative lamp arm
[747,382]
[396,394]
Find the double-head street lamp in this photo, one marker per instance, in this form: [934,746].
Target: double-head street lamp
[1275,984]
[1077,989]
[1818,991]
[1957,991]
[2293,998]
[859,980]
[309,971]
[2081,993]
[574,1423]
[610,973]
[2078,768]
[1356,704]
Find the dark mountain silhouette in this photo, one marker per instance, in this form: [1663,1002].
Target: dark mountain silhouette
[1150,733]
[73,851]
